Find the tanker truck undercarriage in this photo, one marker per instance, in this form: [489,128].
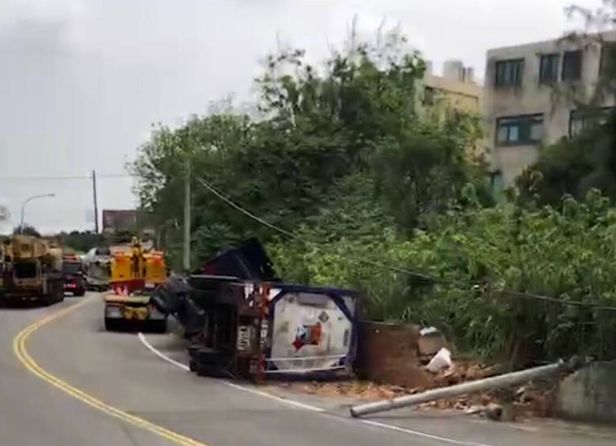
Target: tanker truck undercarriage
[242,321]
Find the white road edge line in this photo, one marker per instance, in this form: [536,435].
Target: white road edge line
[275,397]
[421,434]
[164,357]
[297,404]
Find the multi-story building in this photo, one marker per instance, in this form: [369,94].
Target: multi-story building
[456,89]
[533,96]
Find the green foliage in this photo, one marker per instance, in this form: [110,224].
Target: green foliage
[424,170]
[330,136]
[480,257]
[80,241]
[574,166]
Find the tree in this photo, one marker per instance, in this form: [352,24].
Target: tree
[573,166]
[80,241]
[352,117]
[423,171]
[26,229]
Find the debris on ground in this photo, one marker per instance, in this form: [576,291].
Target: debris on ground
[440,361]
[429,342]
[423,363]
[361,390]
[533,399]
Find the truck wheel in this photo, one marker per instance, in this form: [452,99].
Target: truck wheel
[59,291]
[112,324]
[80,293]
[157,326]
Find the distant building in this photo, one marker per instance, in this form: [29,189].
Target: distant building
[119,220]
[530,97]
[456,89]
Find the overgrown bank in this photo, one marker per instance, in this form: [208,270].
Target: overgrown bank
[381,195]
[489,271]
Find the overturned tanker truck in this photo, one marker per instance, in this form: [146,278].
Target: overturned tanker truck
[242,321]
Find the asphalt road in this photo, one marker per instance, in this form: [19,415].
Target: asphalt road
[70,383]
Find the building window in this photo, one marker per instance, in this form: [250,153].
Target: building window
[572,65]
[581,120]
[548,68]
[519,130]
[607,63]
[509,73]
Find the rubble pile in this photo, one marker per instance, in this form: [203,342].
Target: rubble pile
[434,365]
[361,390]
[534,399]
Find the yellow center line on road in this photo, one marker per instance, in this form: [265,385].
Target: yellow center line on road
[20,349]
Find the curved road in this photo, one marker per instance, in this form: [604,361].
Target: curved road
[99,388]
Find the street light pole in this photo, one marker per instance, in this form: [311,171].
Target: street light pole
[23,208]
[95,201]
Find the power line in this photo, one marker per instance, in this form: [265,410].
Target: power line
[244,211]
[294,236]
[574,303]
[67,177]
[427,277]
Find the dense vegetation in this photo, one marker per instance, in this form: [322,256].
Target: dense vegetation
[381,195]
[80,241]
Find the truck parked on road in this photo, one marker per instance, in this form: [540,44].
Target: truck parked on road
[73,275]
[134,273]
[31,269]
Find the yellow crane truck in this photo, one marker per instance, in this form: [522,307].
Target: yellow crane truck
[31,270]
[134,273]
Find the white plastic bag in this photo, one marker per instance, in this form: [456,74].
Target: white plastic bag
[442,360]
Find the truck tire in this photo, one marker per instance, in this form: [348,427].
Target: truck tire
[58,289]
[50,298]
[157,326]
[112,324]
[80,292]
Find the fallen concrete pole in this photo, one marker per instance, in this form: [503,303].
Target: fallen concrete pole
[506,380]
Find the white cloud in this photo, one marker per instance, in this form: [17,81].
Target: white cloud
[41,11]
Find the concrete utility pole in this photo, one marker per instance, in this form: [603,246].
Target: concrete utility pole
[505,380]
[95,201]
[186,259]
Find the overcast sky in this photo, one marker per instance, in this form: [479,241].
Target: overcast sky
[81,81]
